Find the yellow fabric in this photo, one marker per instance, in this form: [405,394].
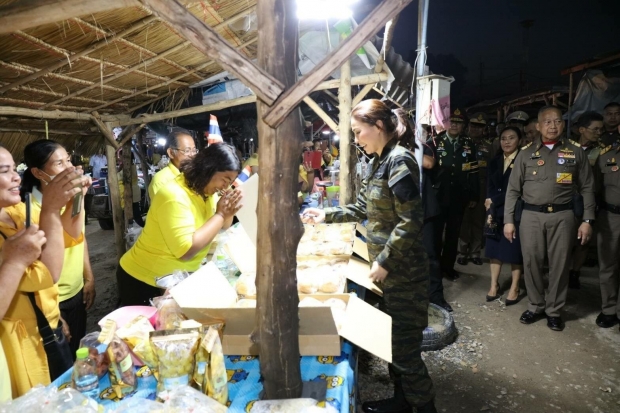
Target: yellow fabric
[5,379]
[303,174]
[18,330]
[161,178]
[335,152]
[508,159]
[71,279]
[175,214]
[251,161]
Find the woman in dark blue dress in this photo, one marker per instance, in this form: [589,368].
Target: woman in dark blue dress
[500,250]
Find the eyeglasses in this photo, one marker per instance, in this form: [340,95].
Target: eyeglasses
[595,130]
[187,151]
[556,122]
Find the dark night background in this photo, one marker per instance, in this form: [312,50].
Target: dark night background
[462,34]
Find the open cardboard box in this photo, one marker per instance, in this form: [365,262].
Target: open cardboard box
[206,295]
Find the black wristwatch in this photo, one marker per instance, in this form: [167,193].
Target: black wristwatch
[589,221]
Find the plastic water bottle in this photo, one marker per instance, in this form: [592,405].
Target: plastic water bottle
[85,378]
[221,264]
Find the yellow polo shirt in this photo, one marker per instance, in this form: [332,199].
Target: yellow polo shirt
[5,378]
[71,279]
[175,214]
[161,178]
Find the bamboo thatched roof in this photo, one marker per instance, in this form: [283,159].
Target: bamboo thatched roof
[115,73]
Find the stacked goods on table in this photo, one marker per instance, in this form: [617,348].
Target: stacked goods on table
[323,257]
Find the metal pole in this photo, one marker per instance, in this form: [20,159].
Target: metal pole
[420,63]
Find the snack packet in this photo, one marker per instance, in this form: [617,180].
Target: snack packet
[175,351]
[91,340]
[169,314]
[136,335]
[217,380]
[200,377]
[122,374]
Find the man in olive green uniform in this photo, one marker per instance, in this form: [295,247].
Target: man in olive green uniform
[547,175]
[611,120]
[390,200]
[607,172]
[456,177]
[590,127]
[471,239]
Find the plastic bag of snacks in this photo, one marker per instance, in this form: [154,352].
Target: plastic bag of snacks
[91,340]
[175,351]
[122,374]
[41,398]
[185,399]
[169,314]
[200,377]
[217,380]
[136,335]
[135,405]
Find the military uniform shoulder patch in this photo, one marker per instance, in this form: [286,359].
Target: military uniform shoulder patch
[575,143]
[527,146]
[606,149]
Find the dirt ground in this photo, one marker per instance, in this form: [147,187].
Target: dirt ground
[496,365]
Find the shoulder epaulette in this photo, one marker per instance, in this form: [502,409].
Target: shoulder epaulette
[606,149]
[574,143]
[527,146]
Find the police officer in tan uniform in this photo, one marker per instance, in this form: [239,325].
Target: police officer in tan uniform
[471,240]
[607,172]
[547,175]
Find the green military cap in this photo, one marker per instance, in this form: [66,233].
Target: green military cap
[518,116]
[457,116]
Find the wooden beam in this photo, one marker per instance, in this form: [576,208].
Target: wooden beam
[279,226]
[21,15]
[322,114]
[385,11]
[128,133]
[50,131]
[121,74]
[207,41]
[43,114]
[106,131]
[348,158]
[143,165]
[115,199]
[588,65]
[86,51]
[127,184]
[35,104]
[47,92]
[388,36]
[355,81]
[148,89]
[385,95]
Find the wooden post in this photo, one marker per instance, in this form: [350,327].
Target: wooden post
[144,166]
[128,190]
[115,201]
[348,158]
[279,226]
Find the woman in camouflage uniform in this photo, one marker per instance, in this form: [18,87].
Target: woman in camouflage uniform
[390,200]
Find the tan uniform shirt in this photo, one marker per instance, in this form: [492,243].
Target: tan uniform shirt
[550,176]
[608,174]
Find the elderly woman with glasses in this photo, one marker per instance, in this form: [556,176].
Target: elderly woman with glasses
[180,147]
[590,126]
[183,220]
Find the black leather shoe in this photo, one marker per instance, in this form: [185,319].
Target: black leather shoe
[427,408]
[493,297]
[573,280]
[476,261]
[606,321]
[443,304]
[451,275]
[529,317]
[555,323]
[461,261]
[391,405]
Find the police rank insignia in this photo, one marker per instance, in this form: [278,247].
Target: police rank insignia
[561,161]
[540,163]
[614,168]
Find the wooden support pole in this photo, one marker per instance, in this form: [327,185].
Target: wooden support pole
[128,133]
[127,187]
[143,165]
[279,226]
[322,114]
[115,201]
[209,42]
[385,11]
[348,158]
[21,15]
[107,131]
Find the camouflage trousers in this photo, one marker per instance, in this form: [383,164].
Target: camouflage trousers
[405,299]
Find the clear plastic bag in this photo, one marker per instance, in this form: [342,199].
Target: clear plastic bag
[135,405]
[136,335]
[122,374]
[169,314]
[185,399]
[175,350]
[91,341]
[67,401]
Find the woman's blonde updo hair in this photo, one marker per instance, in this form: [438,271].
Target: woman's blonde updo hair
[395,122]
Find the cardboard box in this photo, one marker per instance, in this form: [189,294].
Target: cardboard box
[363,325]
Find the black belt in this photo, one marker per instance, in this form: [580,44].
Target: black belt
[611,208]
[548,208]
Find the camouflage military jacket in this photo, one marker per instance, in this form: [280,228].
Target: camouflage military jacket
[458,167]
[390,199]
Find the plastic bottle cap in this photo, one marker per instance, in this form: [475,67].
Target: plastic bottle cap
[82,353]
[221,257]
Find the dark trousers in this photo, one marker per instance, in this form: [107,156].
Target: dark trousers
[132,291]
[73,311]
[450,225]
[431,236]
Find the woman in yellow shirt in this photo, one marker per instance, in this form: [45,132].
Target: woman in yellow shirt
[76,286]
[25,355]
[182,222]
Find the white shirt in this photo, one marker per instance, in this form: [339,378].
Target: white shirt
[97,162]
